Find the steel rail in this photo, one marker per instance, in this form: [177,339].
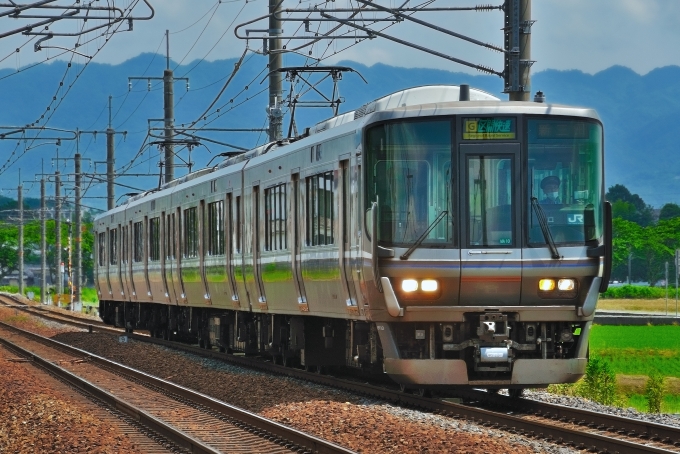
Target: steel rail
[257,422]
[176,436]
[577,437]
[501,420]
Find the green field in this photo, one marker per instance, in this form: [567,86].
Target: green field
[638,351]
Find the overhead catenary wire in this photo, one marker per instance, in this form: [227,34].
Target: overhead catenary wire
[70,86]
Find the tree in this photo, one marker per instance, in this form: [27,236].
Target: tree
[9,246]
[669,211]
[627,239]
[629,206]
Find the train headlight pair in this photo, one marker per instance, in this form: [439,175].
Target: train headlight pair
[564,286]
[425,285]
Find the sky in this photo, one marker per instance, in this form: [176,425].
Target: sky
[586,35]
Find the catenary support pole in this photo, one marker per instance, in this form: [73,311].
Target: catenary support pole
[20,201]
[517,71]
[57,232]
[43,244]
[110,162]
[77,278]
[275,62]
[169,110]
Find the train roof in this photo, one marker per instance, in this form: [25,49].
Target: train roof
[421,101]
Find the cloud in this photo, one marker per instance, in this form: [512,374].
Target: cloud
[576,34]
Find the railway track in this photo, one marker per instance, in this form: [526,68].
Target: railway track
[581,429]
[188,420]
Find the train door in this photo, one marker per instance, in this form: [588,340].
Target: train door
[132,291]
[125,262]
[203,249]
[167,256]
[106,259]
[239,266]
[297,215]
[229,246]
[121,266]
[255,280]
[177,268]
[345,238]
[491,265]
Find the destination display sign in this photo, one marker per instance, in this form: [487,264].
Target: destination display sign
[494,128]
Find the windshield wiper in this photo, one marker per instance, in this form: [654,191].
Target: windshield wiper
[543,222]
[422,237]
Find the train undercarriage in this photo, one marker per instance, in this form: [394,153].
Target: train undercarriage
[487,349]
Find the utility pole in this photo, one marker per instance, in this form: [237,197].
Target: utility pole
[75,277]
[518,49]
[110,157]
[77,280]
[20,197]
[168,108]
[43,242]
[169,113]
[57,230]
[274,111]
[110,161]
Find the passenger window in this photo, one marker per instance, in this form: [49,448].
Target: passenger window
[216,228]
[113,246]
[490,201]
[320,209]
[155,239]
[138,240]
[190,233]
[275,218]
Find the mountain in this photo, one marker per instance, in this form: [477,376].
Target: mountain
[640,113]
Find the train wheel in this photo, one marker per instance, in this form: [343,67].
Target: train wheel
[516,393]
[422,392]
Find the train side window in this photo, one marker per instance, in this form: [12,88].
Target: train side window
[320,209]
[190,233]
[216,228]
[237,230]
[113,246]
[275,218]
[102,249]
[138,240]
[155,239]
[170,237]
[126,246]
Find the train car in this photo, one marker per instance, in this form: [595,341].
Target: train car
[438,235]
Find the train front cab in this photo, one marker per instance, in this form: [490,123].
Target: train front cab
[481,276]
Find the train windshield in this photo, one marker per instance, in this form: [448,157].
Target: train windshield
[408,166]
[565,171]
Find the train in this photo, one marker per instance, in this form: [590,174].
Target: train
[437,235]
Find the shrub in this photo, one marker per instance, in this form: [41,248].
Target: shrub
[637,292]
[654,392]
[599,383]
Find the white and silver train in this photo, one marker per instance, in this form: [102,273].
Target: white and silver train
[438,235]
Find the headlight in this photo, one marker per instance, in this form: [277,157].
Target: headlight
[409,285]
[546,285]
[566,285]
[429,285]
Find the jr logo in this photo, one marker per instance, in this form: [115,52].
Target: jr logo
[575,219]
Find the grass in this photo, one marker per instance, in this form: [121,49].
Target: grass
[670,404]
[638,350]
[658,305]
[635,337]
[635,352]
